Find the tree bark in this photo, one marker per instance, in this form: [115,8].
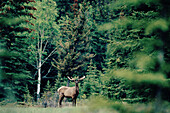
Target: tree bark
[39,82]
[39,76]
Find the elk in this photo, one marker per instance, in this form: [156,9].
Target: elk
[69,92]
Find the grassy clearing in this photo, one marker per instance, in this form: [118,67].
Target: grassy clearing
[114,108]
[100,108]
[94,105]
[43,110]
[55,110]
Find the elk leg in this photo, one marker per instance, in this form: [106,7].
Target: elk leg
[74,102]
[61,97]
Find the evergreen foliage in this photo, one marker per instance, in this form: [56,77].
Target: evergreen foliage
[16,74]
[74,49]
[92,84]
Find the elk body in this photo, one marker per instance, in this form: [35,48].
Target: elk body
[69,92]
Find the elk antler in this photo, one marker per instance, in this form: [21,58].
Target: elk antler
[82,78]
[70,78]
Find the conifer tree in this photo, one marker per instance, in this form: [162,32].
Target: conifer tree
[75,50]
[92,83]
[64,7]
[13,13]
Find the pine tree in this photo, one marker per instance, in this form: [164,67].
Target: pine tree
[102,13]
[92,83]
[64,7]
[27,97]
[16,75]
[75,50]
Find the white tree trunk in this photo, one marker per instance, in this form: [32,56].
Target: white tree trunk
[39,81]
[39,70]
[41,61]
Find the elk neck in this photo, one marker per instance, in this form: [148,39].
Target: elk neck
[76,87]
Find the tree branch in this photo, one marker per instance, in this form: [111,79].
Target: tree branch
[49,56]
[48,72]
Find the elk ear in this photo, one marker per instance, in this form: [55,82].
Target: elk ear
[70,78]
[81,78]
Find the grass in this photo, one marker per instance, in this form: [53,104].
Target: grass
[55,110]
[114,108]
[43,110]
[93,105]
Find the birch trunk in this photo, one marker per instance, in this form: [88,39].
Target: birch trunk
[39,80]
[39,69]
[40,60]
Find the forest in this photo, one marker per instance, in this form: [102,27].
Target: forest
[121,47]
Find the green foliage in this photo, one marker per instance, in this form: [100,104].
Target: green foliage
[74,49]
[58,83]
[48,86]
[160,24]
[41,39]
[156,79]
[115,89]
[44,32]
[15,74]
[135,49]
[102,104]
[27,97]
[92,83]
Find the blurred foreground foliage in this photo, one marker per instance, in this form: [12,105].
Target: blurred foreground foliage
[137,54]
[103,104]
